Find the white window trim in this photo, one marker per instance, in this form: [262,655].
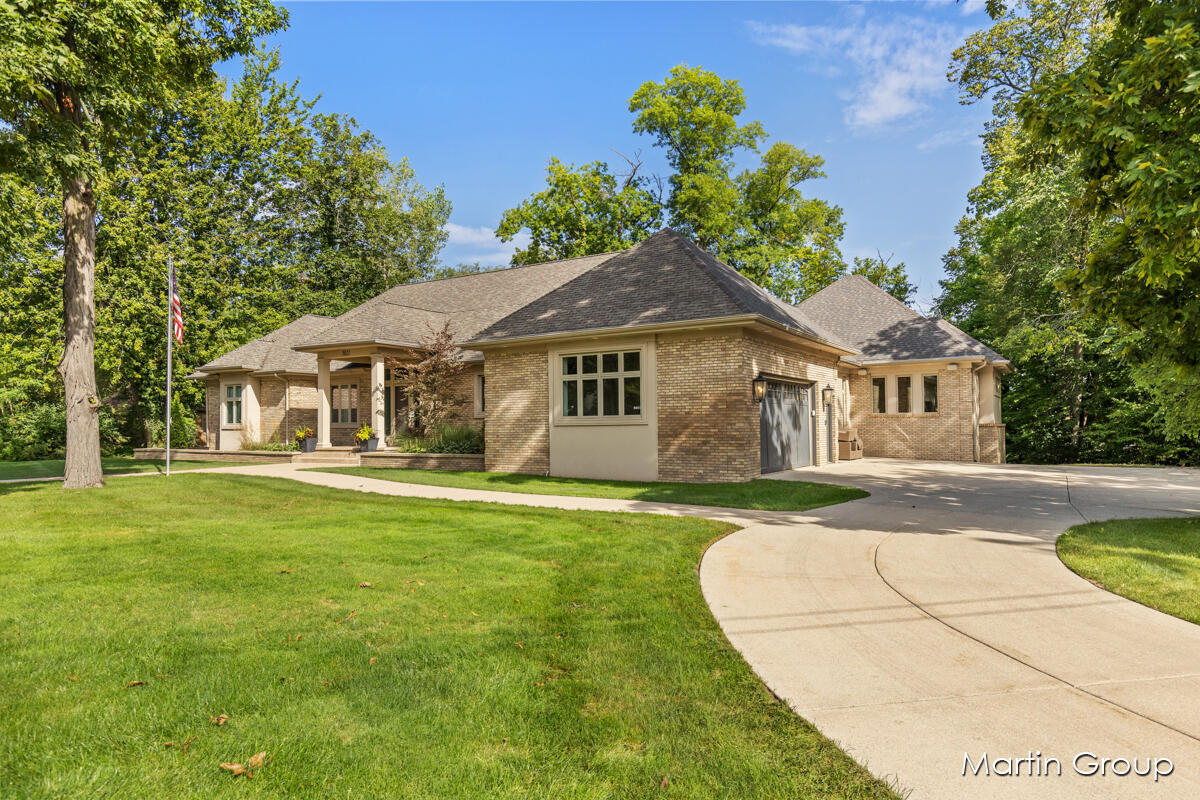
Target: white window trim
[560,418]
[891,395]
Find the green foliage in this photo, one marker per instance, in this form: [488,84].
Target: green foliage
[892,278]
[271,446]
[183,427]
[581,211]
[268,212]
[1128,115]
[39,431]
[1075,394]
[457,439]
[77,80]
[757,220]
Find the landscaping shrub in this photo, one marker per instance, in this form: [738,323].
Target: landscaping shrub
[273,445]
[183,427]
[40,431]
[457,439]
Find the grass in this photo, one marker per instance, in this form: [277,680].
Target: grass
[53,467]
[1155,562]
[763,495]
[502,652]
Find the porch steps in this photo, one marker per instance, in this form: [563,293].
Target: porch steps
[328,457]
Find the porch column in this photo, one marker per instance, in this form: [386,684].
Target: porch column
[377,393]
[323,402]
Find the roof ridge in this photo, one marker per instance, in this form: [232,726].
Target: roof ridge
[885,292]
[509,268]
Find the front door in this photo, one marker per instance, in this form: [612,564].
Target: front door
[786,438]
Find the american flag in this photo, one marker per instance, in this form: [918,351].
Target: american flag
[176,311]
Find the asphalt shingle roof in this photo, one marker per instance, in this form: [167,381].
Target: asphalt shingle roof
[861,314]
[664,278]
[404,315]
[273,352]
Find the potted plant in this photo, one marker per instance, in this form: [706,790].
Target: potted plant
[367,441]
[306,439]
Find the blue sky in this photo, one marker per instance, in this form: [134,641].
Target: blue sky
[479,96]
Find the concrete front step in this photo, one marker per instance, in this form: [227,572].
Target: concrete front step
[336,458]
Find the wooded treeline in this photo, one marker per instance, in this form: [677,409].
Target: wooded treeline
[269,210]
[1078,255]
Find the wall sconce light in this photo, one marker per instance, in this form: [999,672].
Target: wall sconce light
[760,388]
[862,372]
[827,395]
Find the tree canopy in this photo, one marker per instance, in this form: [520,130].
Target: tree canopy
[757,219]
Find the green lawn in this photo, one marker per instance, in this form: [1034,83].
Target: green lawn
[53,467]
[763,495]
[1155,562]
[501,651]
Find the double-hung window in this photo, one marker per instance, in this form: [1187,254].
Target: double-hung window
[602,384]
[343,406]
[904,394]
[233,404]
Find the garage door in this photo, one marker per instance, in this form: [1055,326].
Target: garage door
[786,431]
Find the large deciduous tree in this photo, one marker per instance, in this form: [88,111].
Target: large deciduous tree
[1129,114]
[756,219]
[76,80]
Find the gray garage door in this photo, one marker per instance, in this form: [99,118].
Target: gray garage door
[786,436]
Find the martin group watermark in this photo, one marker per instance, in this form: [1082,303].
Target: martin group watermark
[1037,765]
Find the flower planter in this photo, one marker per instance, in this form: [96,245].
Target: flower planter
[369,445]
[308,445]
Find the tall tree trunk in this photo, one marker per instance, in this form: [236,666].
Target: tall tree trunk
[78,365]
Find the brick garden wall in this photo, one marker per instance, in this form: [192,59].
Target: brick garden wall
[517,433]
[991,443]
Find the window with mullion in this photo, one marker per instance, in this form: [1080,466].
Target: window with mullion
[602,384]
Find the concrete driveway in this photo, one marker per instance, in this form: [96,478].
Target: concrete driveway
[934,621]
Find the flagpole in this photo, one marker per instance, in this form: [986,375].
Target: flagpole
[170,338]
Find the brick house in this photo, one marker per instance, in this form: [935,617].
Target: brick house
[656,362]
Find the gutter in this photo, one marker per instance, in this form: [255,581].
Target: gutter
[636,330]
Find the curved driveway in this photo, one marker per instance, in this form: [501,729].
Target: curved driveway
[934,620]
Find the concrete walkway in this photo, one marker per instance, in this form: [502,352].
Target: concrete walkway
[933,620]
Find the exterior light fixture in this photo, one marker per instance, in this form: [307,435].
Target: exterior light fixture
[760,388]
[827,395]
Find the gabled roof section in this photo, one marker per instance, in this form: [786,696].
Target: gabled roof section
[665,278]
[884,329]
[404,315]
[273,352]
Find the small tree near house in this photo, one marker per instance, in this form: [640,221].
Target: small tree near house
[431,382]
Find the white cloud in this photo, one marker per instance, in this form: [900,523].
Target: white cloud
[470,244]
[950,138]
[899,65]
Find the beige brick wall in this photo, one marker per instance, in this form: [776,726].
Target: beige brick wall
[212,413]
[517,433]
[944,436]
[991,443]
[707,418]
[773,358]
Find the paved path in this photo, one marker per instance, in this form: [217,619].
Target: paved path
[933,620]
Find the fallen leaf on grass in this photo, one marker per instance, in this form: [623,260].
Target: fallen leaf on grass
[365,585]
[72,677]
[257,760]
[372,660]
[235,769]
[664,783]
[521,645]
[285,572]
[219,720]
[131,684]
